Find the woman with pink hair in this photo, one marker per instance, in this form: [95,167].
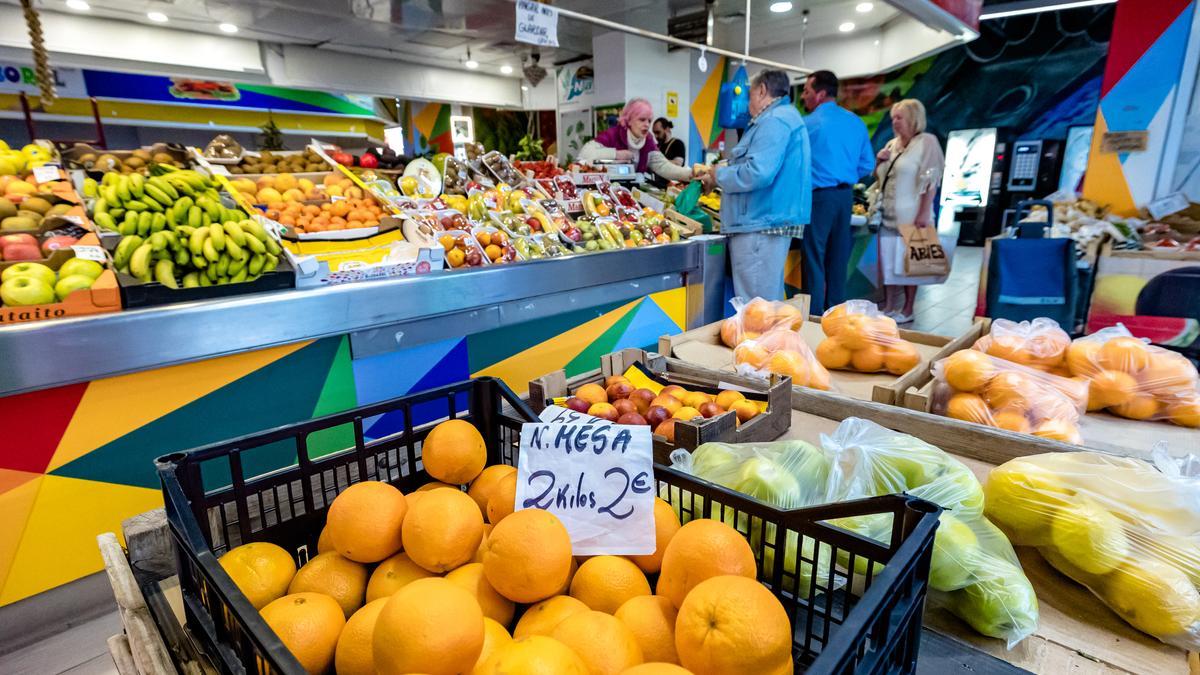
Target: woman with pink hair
[630,141]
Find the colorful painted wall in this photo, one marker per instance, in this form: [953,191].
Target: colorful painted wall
[427,128]
[1139,92]
[86,462]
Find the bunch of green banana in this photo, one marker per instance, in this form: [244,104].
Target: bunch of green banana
[133,204]
[203,255]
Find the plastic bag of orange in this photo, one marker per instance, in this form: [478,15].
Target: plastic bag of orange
[758,316]
[859,337]
[972,386]
[1040,344]
[1126,529]
[1136,380]
[783,352]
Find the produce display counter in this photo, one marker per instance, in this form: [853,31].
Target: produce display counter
[100,397]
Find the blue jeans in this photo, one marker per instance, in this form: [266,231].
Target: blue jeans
[826,245]
[757,260]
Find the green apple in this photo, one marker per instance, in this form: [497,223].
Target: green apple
[763,479]
[28,269]
[957,490]
[1001,606]
[69,284]
[26,290]
[810,465]
[713,460]
[955,549]
[89,268]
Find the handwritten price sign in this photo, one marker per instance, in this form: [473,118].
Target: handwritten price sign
[597,477]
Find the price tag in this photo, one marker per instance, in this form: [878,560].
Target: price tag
[537,24]
[90,253]
[596,476]
[73,219]
[46,173]
[1172,203]
[218,170]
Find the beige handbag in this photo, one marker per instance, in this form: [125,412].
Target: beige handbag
[923,252]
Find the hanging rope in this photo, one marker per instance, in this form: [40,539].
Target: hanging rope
[41,60]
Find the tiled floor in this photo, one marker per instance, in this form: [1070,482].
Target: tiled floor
[78,650]
[949,308]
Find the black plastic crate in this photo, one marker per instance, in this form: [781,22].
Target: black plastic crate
[849,623]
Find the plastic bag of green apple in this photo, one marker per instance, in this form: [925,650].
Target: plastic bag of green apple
[1124,528]
[973,562]
[786,474]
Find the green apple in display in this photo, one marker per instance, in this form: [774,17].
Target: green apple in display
[69,284]
[88,268]
[763,479]
[1001,606]
[28,269]
[19,291]
[955,549]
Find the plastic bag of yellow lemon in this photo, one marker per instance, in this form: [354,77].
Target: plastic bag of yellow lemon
[1119,526]
[1133,379]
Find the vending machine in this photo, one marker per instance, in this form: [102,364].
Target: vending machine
[1018,169]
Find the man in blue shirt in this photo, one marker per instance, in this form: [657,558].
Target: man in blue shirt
[841,155]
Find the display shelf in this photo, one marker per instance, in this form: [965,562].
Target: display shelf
[379,315]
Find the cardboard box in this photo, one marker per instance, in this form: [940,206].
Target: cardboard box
[766,426]
[103,296]
[703,347]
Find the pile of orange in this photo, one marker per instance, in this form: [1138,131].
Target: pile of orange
[865,341]
[1039,344]
[1129,378]
[447,581]
[343,214]
[782,352]
[976,387]
[617,400]
[757,317]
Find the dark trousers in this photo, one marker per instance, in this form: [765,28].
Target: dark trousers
[826,245]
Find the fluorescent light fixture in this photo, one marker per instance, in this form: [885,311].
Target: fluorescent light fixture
[471,64]
[506,70]
[157,17]
[864,7]
[1034,9]
[846,27]
[781,7]
[524,87]
[78,5]
[228,28]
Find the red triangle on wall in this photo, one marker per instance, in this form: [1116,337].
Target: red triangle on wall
[32,424]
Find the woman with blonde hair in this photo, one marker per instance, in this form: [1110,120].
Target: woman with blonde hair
[908,173]
[630,141]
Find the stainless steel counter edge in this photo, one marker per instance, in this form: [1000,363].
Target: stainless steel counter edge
[53,353]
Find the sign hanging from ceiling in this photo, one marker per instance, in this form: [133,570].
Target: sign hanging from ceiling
[576,83]
[537,24]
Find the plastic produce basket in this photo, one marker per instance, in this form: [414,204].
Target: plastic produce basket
[266,487]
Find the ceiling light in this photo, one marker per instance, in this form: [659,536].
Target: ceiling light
[78,5]
[864,7]
[228,28]
[472,64]
[524,88]
[846,27]
[156,17]
[781,7]
[506,70]
[1072,4]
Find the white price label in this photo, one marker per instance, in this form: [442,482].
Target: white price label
[73,219]
[596,476]
[537,24]
[1172,203]
[46,173]
[89,253]
[219,170]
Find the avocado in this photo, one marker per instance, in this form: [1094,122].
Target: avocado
[13,223]
[36,204]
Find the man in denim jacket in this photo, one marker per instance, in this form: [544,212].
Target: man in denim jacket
[767,188]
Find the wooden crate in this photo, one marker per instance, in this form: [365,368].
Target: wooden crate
[1076,633]
[702,346]
[767,426]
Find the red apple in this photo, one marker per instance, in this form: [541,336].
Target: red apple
[656,415]
[54,243]
[10,239]
[22,252]
[624,406]
[603,411]
[642,398]
[578,405]
[711,409]
[619,390]
[632,418]
[667,429]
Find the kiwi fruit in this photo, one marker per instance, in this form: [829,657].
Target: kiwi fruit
[107,162]
[87,159]
[135,162]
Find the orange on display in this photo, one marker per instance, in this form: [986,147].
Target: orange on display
[859,337]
